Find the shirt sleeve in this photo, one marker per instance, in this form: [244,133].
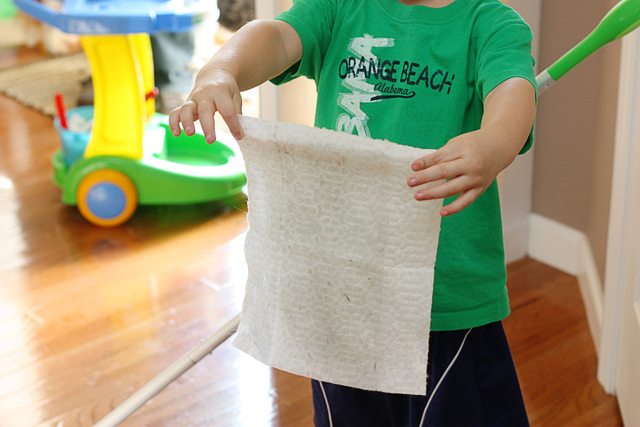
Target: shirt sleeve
[313,21]
[506,54]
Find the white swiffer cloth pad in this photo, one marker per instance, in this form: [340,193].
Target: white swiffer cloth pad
[340,258]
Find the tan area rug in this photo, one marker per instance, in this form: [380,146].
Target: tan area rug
[35,84]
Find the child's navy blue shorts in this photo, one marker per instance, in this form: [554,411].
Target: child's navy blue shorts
[480,389]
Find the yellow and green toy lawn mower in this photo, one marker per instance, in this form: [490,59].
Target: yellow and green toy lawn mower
[129,157]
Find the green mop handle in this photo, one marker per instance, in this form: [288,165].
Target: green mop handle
[623,18]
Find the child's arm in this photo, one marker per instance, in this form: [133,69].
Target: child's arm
[257,52]
[470,162]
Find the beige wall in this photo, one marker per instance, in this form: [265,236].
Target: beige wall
[576,126]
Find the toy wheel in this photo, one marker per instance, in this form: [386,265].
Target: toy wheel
[106,198]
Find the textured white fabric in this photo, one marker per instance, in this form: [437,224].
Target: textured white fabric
[340,258]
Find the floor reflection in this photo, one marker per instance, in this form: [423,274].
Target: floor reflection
[88,315]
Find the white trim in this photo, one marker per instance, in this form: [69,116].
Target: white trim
[266,9]
[516,241]
[268,94]
[269,97]
[569,250]
[627,135]
[592,292]
[554,244]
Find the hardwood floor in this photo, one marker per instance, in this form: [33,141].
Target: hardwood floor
[88,315]
[553,349]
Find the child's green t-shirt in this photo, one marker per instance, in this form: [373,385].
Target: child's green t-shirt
[418,76]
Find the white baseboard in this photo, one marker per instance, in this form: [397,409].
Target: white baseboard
[554,244]
[569,250]
[516,241]
[592,291]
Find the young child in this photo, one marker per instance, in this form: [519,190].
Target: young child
[452,75]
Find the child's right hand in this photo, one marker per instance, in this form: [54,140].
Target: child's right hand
[259,51]
[216,92]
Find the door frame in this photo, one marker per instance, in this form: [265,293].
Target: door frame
[268,95]
[620,244]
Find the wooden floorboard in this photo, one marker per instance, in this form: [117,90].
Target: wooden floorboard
[89,315]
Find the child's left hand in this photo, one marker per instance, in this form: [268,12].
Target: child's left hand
[468,163]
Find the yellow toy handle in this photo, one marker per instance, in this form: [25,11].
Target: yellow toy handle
[122,73]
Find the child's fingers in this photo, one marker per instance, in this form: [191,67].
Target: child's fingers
[446,189]
[187,117]
[206,112]
[174,121]
[425,161]
[464,200]
[447,153]
[227,110]
[447,170]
